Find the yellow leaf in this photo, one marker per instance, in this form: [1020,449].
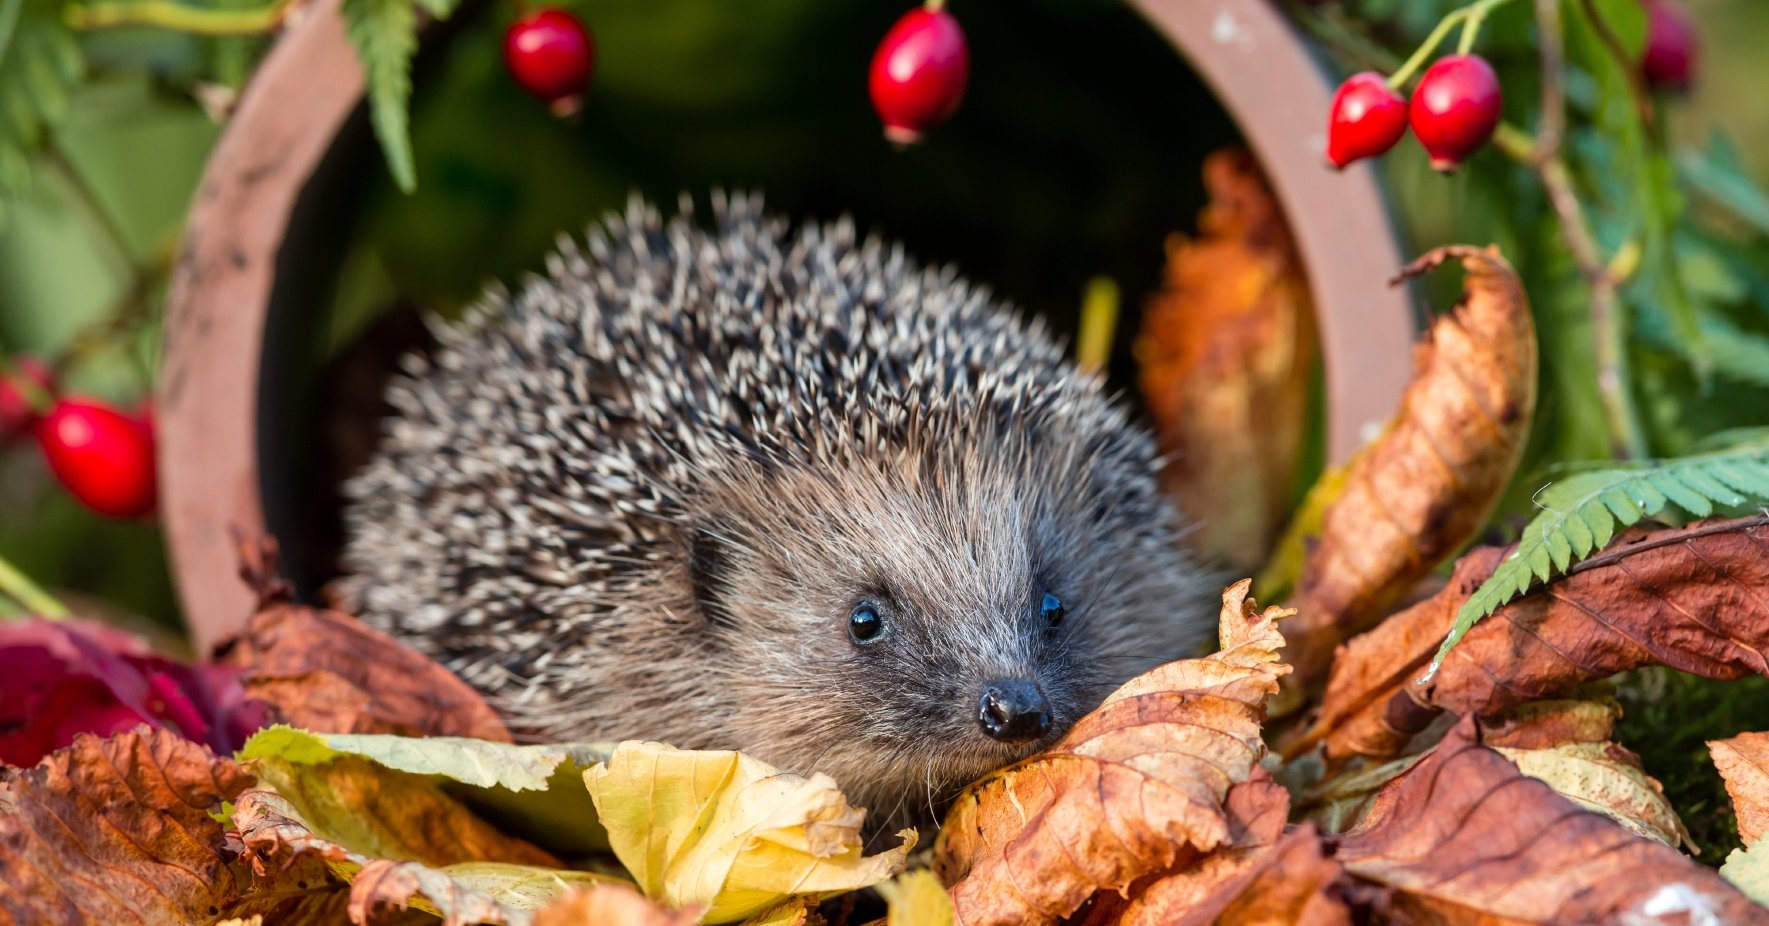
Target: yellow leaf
[731,832]
[1748,870]
[917,899]
[1600,777]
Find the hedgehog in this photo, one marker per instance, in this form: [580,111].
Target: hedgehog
[780,491]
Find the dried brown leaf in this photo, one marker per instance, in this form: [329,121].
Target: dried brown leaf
[1464,837]
[1225,355]
[1694,598]
[1262,876]
[601,904]
[118,830]
[1428,483]
[1138,786]
[1743,762]
[326,671]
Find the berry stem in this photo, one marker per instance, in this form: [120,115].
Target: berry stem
[1609,323]
[1469,17]
[36,602]
[34,395]
[169,14]
[934,6]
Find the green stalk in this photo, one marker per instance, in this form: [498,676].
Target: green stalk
[168,14]
[17,586]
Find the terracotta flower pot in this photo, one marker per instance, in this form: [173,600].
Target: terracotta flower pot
[237,280]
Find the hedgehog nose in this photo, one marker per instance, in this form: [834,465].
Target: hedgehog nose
[1013,710]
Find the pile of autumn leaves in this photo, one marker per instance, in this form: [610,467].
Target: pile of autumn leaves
[389,792]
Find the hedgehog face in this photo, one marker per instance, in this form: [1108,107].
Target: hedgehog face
[929,622]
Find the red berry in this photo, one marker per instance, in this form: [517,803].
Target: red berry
[1672,46]
[1455,109]
[17,406]
[919,73]
[1367,118]
[103,457]
[551,55]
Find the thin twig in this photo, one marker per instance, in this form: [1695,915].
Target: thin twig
[1631,70]
[1609,328]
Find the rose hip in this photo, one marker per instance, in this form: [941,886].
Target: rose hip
[104,458]
[1455,109]
[1367,118]
[919,73]
[1673,46]
[551,54]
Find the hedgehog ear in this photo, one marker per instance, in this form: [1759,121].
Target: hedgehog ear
[709,561]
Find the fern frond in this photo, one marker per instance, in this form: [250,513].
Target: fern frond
[385,36]
[1581,514]
[40,65]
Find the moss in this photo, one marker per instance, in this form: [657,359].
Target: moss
[1670,716]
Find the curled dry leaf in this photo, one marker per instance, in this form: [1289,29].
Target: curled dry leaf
[1263,875]
[535,792]
[1428,483]
[1464,837]
[1225,355]
[118,830]
[730,832]
[1695,599]
[1566,745]
[1743,762]
[1136,787]
[326,671]
[436,859]
[601,904]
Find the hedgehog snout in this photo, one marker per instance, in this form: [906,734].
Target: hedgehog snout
[1014,710]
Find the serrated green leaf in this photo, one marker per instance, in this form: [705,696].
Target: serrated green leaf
[1646,498]
[1561,550]
[1579,536]
[1602,525]
[1681,494]
[1718,174]
[40,64]
[1701,481]
[1597,503]
[1626,512]
[385,36]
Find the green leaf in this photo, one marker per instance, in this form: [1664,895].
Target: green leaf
[40,65]
[1719,176]
[533,791]
[1580,515]
[385,36]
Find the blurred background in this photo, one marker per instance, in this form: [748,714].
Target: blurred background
[1076,152]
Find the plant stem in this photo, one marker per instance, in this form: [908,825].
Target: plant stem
[1608,323]
[1400,78]
[17,586]
[1470,17]
[169,14]
[934,6]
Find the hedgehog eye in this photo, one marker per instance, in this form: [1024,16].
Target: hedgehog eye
[864,624]
[1051,609]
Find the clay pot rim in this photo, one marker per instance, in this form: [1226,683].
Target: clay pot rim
[309,86]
